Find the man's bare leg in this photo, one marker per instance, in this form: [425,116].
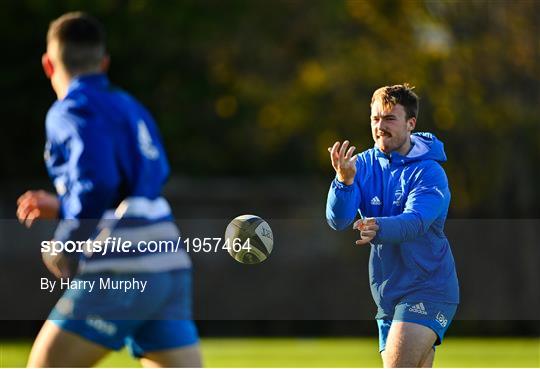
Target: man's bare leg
[55,347]
[428,361]
[409,345]
[189,356]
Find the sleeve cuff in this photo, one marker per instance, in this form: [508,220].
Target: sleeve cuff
[377,240]
[342,186]
[388,230]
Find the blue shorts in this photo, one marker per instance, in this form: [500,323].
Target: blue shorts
[157,318]
[434,315]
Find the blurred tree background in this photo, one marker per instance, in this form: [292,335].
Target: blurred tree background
[254,88]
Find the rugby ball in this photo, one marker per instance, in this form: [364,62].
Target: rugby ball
[249,239]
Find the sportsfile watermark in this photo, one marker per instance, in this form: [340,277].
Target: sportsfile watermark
[119,245]
[312,273]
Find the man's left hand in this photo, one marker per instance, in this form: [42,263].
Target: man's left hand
[368,228]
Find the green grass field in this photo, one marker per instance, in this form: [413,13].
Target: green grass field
[325,352]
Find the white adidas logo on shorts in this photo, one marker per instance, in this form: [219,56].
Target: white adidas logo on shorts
[418,308]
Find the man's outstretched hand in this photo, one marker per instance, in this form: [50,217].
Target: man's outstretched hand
[34,205]
[343,161]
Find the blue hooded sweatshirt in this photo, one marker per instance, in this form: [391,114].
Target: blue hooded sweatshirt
[104,150]
[410,258]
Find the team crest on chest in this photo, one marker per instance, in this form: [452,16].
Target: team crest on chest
[398,195]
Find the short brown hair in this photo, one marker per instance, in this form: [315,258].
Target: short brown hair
[81,41]
[398,94]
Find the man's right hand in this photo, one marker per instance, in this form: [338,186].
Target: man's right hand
[343,161]
[62,265]
[34,205]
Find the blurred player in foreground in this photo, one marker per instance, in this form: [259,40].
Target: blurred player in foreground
[105,157]
[401,193]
